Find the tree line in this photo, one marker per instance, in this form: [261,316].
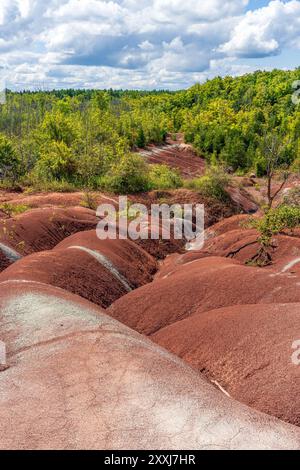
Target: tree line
[88,138]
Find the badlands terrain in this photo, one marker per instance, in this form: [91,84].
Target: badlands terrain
[118,344]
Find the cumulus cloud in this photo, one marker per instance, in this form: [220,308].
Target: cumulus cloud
[265,31]
[138,43]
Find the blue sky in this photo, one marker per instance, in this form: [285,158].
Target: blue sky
[254,4]
[143,44]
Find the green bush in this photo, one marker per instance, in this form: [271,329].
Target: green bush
[164,177]
[34,184]
[60,127]
[129,175]
[13,209]
[295,167]
[213,184]
[272,223]
[56,161]
[276,220]
[9,161]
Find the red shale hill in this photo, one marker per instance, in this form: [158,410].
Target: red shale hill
[100,271]
[202,285]
[176,155]
[42,229]
[77,379]
[247,349]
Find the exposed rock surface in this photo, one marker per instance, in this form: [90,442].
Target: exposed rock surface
[76,379]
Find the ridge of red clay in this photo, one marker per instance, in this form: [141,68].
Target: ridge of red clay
[42,229]
[100,271]
[204,285]
[84,381]
[247,349]
[196,296]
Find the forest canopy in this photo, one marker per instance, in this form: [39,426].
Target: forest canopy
[87,138]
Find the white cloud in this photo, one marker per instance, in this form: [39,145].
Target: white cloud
[265,31]
[138,43]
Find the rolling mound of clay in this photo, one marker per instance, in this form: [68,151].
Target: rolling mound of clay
[230,238]
[50,199]
[77,379]
[242,199]
[242,245]
[7,256]
[248,350]
[227,225]
[178,156]
[204,284]
[218,240]
[101,275]
[231,243]
[42,229]
[214,210]
[131,261]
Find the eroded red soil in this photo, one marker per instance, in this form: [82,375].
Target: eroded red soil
[86,379]
[177,155]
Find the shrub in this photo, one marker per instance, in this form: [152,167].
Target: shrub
[213,184]
[276,220]
[128,175]
[9,161]
[34,184]
[11,209]
[56,162]
[89,201]
[295,167]
[164,177]
[273,222]
[141,140]
[60,127]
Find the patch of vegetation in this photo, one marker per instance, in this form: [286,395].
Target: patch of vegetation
[84,138]
[56,163]
[9,160]
[13,209]
[163,177]
[89,201]
[272,223]
[129,175]
[35,186]
[212,184]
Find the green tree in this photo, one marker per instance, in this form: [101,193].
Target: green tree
[9,160]
[56,161]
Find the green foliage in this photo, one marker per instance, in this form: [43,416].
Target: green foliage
[272,223]
[9,161]
[128,175]
[13,209]
[276,220]
[78,137]
[35,184]
[89,201]
[56,161]
[212,184]
[295,167]
[59,127]
[141,140]
[164,177]
[229,118]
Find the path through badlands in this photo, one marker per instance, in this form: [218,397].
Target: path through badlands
[123,345]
